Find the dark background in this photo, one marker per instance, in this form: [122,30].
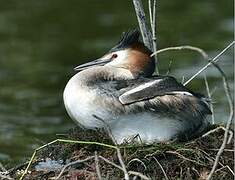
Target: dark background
[41,41]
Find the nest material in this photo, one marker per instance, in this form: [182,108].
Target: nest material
[189,160]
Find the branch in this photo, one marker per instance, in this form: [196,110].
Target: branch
[185,158]
[139,10]
[110,162]
[203,53]
[153,28]
[231,115]
[137,160]
[122,164]
[216,129]
[150,11]
[164,172]
[215,59]
[97,167]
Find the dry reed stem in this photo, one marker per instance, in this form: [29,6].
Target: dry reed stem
[229,121]
[209,96]
[137,160]
[138,174]
[139,10]
[199,50]
[227,150]
[110,162]
[97,166]
[218,128]
[152,14]
[224,168]
[150,11]
[164,172]
[185,158]
[215,59]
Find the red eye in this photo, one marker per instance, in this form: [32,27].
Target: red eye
[114,56]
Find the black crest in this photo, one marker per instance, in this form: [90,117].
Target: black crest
[128,38]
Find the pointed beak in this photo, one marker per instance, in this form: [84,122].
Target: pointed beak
[97,62]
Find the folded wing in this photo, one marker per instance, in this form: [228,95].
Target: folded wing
[151,88]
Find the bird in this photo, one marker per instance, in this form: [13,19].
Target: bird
[121,91]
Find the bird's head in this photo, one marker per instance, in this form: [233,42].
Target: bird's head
[129,53]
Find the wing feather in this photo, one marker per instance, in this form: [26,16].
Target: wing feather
[152,88]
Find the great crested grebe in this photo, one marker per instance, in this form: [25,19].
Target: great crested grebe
[119,88]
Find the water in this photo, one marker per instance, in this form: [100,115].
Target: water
[41,41]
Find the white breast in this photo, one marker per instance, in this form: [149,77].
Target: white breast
[79,103]
[147,127]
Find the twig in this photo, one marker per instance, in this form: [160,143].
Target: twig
[150,11]
[209,157]
[230,170]
[226,150]
[122,164]
[231,115]
[154,24]
[142,23]
[202,52]
[154,39]
[215,59]
[216,129]
[196,171]
[164,172]
[183,157]
[137,160]
[97,166]
[110,162]
[72,163]
[152,18]
[209,96]
[139,174]
[199,50]
[224,168]
[181,173]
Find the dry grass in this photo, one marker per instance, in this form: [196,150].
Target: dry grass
[177,160]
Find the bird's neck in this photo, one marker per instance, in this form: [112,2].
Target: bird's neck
[103,73]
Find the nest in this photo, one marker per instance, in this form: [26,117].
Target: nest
[175,160]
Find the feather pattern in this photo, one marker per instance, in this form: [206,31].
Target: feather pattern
[130,100]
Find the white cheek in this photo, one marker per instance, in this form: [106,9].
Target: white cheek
[120,59]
